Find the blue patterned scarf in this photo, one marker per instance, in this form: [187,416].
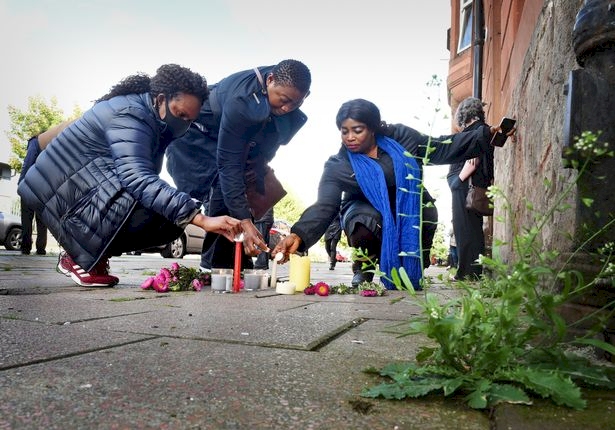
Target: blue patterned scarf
[400,233]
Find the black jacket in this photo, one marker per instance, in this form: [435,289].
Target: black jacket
[87,180]
[238,130]
[339,185]
[484,174]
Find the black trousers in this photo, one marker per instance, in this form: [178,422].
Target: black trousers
[468,227]
[28,216]
[362,224]
[331,249]
[218,251]
[143,229]
[262,260]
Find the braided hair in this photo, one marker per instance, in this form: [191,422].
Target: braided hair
[292,73]
[170,80]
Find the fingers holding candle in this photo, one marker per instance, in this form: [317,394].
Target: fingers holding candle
[289,245]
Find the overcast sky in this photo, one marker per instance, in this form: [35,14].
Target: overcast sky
[385,51]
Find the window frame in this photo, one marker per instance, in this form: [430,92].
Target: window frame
[466,20]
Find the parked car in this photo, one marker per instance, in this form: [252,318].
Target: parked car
[10,231]
[342,257]
[191,242]
[279,230]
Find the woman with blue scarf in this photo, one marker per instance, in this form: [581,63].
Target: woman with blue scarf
[377,176]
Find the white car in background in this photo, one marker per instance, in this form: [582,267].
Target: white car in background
[10,231]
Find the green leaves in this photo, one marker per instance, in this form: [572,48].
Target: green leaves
[503,338]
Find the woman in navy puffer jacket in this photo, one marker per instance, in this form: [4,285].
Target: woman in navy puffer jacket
[97,184]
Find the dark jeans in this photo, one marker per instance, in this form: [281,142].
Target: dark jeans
[452,255]
[28,216]
[143,229]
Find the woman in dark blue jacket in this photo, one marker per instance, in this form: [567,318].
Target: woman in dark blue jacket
[97,184]
[375,162]
[248,115]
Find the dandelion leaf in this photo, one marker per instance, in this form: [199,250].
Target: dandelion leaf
[506,393]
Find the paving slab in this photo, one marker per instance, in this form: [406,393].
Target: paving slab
[81,358]
[26,342]
[271,322]
[177,383]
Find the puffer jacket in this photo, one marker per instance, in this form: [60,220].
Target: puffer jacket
[86,182]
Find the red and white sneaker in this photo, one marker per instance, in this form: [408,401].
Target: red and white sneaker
[97,277]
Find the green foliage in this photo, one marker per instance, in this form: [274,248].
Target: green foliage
[502,339]
[38,117]
[289,208]
[439,248]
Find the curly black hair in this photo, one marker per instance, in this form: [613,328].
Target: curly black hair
[292,73]
[170,79]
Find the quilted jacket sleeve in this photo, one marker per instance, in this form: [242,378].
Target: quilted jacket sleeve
[134,148]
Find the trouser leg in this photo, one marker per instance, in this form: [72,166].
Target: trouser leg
[468,227]
[218,251]
[41,235]
[143,229]
[27,217]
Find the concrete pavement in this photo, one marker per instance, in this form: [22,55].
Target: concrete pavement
[123,358]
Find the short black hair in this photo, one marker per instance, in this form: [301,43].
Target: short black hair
[292,73]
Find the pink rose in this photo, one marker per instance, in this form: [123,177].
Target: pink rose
[175,267]
[166,273]
[368,293]
[309,291]
[197,285]
[160,283]
[148,283]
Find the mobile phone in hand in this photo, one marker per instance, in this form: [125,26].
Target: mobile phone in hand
[506,125]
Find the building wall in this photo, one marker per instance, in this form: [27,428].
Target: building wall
[526,61]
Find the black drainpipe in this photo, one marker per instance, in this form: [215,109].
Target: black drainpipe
[478,29]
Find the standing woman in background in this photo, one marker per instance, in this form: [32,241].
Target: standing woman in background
[467,224]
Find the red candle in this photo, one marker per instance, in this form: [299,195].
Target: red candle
[237,269]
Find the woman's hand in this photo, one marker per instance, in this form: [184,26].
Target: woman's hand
[253,243]
[224,225]
[469,168]
[287,246]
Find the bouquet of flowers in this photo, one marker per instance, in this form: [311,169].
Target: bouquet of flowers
[177,278]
